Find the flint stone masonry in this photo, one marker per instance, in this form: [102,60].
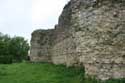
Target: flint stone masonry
[90,33]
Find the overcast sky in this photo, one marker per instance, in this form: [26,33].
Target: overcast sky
[21,17]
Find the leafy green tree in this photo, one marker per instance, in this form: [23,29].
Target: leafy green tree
[5,56]
[19,48]
[13,49]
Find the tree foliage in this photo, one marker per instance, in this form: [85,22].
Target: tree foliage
[13,49]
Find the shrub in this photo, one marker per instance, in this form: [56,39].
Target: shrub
[13,49]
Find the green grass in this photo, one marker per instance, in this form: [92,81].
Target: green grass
[45,73]
[39,73]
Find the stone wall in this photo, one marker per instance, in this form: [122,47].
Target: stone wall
[90,33]
[40,45]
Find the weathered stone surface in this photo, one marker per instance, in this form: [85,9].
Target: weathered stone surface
[90,33]
[41,43]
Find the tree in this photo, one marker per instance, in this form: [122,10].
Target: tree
[5,56]
[13,49]
[19,48]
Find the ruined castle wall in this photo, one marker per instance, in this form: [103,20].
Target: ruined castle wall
[101,39]
[41,45]
[90,33]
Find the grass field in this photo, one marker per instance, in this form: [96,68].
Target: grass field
[38,73]
[43,73]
